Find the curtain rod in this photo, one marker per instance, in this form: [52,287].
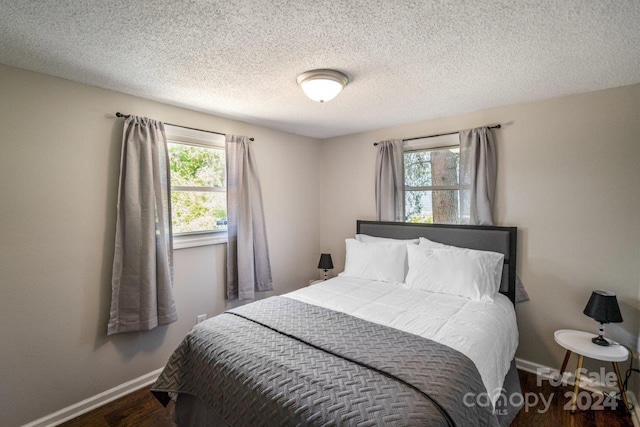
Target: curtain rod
[118,114]
[440,134]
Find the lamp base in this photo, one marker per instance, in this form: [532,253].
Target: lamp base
[600,341]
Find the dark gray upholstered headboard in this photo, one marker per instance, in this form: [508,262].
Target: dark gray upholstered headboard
[485,238]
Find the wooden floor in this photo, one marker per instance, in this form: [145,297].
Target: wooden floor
[141,409]
[558,416]
[138,409]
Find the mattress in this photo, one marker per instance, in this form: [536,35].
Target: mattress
[486,332]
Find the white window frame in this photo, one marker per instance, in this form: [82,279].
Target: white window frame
[196,138]
[429,144]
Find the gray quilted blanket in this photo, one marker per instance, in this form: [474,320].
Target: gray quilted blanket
[281,362]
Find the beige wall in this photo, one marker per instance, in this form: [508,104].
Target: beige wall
[569,179]
[59,162]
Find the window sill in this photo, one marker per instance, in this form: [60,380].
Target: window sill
[194,240]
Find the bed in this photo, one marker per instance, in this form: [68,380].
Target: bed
[357,351]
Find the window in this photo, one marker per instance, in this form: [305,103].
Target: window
[198,187]
[432,188]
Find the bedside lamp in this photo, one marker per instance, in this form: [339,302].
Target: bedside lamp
[603,307]
[325,264]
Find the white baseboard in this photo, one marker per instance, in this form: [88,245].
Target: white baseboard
[586,383]
[96,401]
[635,414]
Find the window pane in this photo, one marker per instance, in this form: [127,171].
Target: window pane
[196,166]
[198,211]
[431,167]
[417,169]
[434,207]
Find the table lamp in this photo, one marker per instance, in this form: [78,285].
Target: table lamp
[603,307]
[325,264]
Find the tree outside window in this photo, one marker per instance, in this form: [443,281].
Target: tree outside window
[432,189]
[198,189]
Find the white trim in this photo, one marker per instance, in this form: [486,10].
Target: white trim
[586,383]
[208,140]
[432,142]
[194,137]
[96,401]
[433,188]
[197,189]
[200,239]
[635,414]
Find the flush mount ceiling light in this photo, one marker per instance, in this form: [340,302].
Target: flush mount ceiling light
[322,85]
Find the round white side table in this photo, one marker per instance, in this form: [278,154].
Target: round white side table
[580,343]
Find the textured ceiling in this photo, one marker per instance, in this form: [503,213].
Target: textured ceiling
[407,60]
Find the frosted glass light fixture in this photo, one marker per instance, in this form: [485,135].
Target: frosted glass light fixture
[322,85]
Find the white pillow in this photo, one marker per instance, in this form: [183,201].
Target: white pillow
[365,238]
[383,262]
[430,244]
[463,272]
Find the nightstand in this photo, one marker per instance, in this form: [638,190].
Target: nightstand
[314,281]
[580,343]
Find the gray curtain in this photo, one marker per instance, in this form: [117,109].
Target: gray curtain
[248,266]
[478,175]
[141,287]
[390,181]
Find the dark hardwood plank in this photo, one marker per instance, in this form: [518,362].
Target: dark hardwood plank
[138,409]
[141,409]
[557,415]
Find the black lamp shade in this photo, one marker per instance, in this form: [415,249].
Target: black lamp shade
[603,307]
[325,262]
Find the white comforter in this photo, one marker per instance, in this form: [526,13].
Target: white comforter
[486,332]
